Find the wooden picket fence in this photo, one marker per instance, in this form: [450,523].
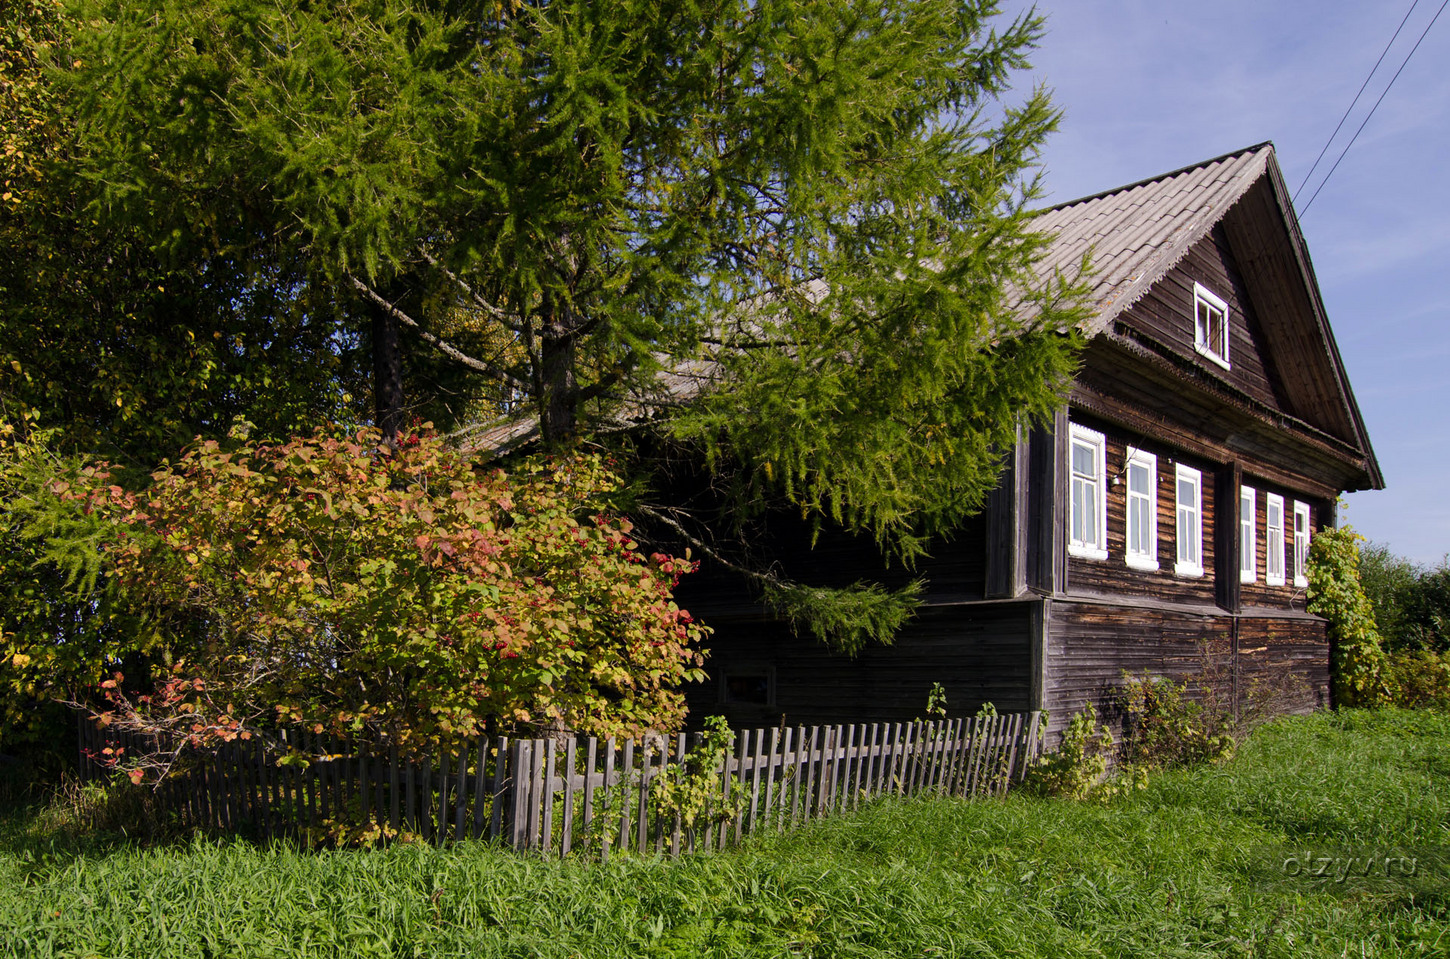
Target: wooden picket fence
[582,795]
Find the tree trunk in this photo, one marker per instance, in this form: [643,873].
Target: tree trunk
[558,405]
[387,373]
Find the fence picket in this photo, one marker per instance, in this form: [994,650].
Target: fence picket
[566,829]
[743,738]
[546,835]
[533,794]
[627,779]
[480,786]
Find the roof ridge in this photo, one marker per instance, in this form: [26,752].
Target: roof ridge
[1232,154]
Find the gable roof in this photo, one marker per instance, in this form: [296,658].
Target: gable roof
[1137,233]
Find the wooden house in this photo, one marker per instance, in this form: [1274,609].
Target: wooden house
[1161,523]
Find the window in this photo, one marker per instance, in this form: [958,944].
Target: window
[748,684]
[1274,539]
[1190,521]
[1301,543]
[1248,535]
[1089,494]
[1210,325]
[1142,521]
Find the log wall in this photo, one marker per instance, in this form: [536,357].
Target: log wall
[1165,315]
[1270,664]
[979,652]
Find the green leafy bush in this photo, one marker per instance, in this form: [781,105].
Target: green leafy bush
[1164,727]
[1357,659]
[1419,678]
[691,791]
[1077,767]
[1411,602]
[404,595]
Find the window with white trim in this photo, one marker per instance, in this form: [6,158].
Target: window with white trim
[1188,483]
[1210,325]
[1088,468]
[1248,534]
[1301,543]
[1274,539]
[1141,551]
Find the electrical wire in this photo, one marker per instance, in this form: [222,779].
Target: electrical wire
[1350,108]
[1374,108]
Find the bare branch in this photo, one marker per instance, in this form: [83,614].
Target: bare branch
[438,343]
[478,301]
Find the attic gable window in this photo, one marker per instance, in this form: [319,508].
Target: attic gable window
[1210,325]
[1089,529]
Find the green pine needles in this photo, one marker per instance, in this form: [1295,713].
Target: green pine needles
[787,240]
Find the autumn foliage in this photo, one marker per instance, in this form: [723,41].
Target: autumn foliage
[406,595]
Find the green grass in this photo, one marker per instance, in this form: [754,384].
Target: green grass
[1191,866]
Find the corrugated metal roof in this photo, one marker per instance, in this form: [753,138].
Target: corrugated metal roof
[1139,232]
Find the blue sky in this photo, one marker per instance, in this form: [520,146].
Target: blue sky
[1148,87]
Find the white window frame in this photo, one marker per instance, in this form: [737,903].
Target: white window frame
[1205,300]
[1273,540]
[1248,535]
[1096,486]
[1146,559]
[1189,522]
[1301,543]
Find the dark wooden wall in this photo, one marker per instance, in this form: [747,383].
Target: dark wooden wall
[1274,663]
[1165,316]
[1283,664]
[980,652]
[1113,575]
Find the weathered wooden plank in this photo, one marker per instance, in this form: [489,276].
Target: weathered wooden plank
[480,787]
[503,787]
[648,772]
[628,778]
[546,785]
[742,751]
[571,780]
[520,757]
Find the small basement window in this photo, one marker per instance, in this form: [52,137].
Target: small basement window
[1210,325]
[754,685]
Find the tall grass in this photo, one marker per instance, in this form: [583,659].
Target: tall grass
[1191,866]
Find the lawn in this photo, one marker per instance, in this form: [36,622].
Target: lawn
[1208,862]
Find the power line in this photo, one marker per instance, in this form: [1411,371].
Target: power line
[1350,108]
[1375,107]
